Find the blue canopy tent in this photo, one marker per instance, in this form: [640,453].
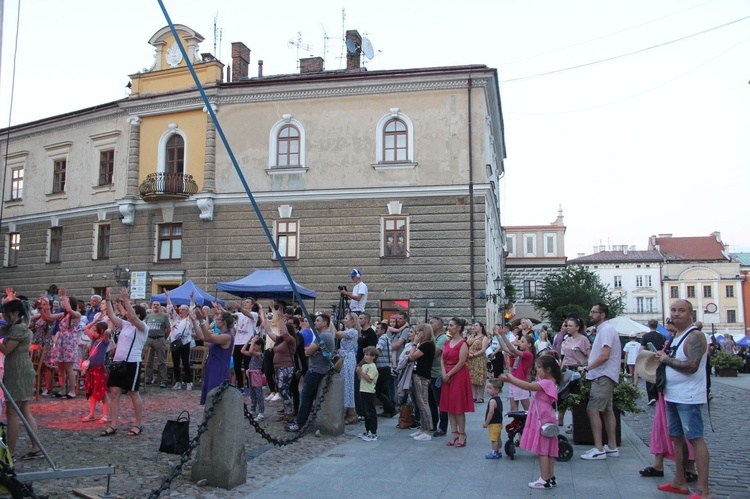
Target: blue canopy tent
[265,284]
[181,296]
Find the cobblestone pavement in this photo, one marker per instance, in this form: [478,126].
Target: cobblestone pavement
[728,445]
[140,467]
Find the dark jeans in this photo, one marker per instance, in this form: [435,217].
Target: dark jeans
[294,389]
[307,397]
[269,371]
[382,387]
[358,397]
[241,363]
[441,422]
[182,356]
[651,391]
[371,418]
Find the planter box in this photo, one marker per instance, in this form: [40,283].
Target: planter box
[726,372]
[582,427]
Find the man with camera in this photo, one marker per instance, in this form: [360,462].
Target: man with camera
[358,296]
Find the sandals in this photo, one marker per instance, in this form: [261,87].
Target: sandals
[452,441]
[135,431]
[461,444]
[651,471]
[691,477]
[109,431]
[32,455]
[88,418]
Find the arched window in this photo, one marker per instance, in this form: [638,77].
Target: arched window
[395,143]
[175,155]
[288,147]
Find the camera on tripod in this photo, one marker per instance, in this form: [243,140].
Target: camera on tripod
[343,288]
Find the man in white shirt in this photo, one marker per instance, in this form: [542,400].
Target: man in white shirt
[358,295]
[603,370]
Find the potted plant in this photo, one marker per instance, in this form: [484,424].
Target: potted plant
[726,364]
[624,399]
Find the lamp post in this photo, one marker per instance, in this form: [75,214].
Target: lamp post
[117,270]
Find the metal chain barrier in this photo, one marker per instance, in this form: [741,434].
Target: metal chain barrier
[202,428]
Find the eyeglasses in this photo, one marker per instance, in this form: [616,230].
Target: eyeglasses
[595,312]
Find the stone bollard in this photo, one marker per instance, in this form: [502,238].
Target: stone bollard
[330,418]
[220,456]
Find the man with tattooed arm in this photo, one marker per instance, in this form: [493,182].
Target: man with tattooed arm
[685,395]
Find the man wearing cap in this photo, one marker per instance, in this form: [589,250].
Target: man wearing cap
[358,295]
[657,339]
[685,395]
[631,349]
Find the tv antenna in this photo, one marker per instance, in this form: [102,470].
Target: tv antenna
[300,46]
[218,34]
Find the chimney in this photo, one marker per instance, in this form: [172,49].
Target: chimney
[352,58]
[240,61]
[260,69]
[311,65]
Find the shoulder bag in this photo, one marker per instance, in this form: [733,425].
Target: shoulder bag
[661,370]
[118,368]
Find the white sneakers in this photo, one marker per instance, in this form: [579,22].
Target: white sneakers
[423,437]
[611,452]
[259,418]
[594,454]
[177,386]
[189,387]
[415,433]
[276,397]
[368,437]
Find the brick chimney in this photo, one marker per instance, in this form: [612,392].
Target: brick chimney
[353,59]
[311,65]
[240,61]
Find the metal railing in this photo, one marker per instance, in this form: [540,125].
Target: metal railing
[163,185]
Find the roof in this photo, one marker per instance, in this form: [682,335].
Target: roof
[743,258]
[620,257]
[698,248]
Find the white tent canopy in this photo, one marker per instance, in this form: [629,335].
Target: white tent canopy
[625,326]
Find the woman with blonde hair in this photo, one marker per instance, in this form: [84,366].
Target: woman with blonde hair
[423,354]
[348,352]
[478,341]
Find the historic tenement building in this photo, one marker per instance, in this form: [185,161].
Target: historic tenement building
[392,172]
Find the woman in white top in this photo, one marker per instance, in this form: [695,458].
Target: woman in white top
[542,343]
[133,335]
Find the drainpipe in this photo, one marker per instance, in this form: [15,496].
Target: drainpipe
[471,210]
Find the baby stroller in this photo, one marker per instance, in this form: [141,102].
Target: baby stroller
[515,427]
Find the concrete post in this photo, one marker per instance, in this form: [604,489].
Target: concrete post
[330,418]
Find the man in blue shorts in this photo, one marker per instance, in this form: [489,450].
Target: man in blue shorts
[685,395]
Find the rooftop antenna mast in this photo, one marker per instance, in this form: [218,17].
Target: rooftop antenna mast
[299,45]
[218,34]
[343,35]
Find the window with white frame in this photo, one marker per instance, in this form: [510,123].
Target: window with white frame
[287,238]
[674,292]
[286,145]
[730,291]
[510,244]
[394,140]
[529,245]
[16,164]
[59,173]
[169,242]
[618,281]
[644,305]
[105,144]
[395,237]
[639,281]
[550,244]
[58,155]
[16,184]
[172,155]
[707,292]
[12,249]
[106,167]
[101,240]
[529,289]
[731,316]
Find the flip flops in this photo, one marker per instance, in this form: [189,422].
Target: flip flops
[691,477]
[32,455]
[109,431]
[667,487]
[135,431]
[651,471]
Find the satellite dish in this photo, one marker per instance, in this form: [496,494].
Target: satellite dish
[351,47]
[367,48]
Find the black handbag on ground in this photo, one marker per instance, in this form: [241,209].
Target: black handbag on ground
[175,437]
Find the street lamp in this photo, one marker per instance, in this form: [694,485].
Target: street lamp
[118,274]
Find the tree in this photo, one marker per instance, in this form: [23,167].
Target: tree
[573,289]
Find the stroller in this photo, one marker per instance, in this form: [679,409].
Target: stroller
[515,427]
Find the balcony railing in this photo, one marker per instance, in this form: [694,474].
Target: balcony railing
[159,186]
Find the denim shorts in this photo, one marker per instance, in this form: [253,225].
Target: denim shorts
[685,419]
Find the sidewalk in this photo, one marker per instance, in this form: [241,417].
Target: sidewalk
[398,466]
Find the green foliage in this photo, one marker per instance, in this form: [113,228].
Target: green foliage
[577,286]
[510,290]
[624,396]
[724,360]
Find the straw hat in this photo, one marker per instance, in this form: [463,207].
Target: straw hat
[645,365]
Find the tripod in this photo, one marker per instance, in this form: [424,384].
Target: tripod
[342,307]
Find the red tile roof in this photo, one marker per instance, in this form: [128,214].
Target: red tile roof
[691,248]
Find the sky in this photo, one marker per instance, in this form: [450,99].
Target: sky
[631,115]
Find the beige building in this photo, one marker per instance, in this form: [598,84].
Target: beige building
[392,172]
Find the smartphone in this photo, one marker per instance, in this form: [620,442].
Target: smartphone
[651,346]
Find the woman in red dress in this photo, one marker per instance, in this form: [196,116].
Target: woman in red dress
[456,398]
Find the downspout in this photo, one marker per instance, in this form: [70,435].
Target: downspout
[471,210]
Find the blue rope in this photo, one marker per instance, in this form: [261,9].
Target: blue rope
[323,349]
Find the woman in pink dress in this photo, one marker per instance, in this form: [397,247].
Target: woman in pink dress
[548,377]
[66,343]
[456,398]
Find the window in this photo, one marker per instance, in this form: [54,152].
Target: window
[640,305]
[106,167]
[639,281]
[102,241]
[731,316]
[650,305]
[674,292]
[706,291]
[395,143]
[529,245]
[618,281]
[730,291]
[175,155]
[287,238]
[395,237]
[643,281]
[550,245]
[55,245]
[58,175]
[16,184]
[510,245]
[390,307]
[529,289]
[691,291]
[14,246]
[287,151]
[170,242]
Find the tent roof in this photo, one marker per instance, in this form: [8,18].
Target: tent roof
[264,284]
[625,325]
[181,295]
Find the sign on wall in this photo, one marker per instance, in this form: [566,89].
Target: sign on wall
[138,285]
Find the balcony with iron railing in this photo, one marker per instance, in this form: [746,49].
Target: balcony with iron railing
[164,186]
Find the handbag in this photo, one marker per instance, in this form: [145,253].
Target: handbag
[550,430]
[117,368]
[660,382]
[175,437]
[338,363]
[175,345]
[406,417]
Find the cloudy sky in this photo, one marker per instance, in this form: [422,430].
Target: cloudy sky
[627,113]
